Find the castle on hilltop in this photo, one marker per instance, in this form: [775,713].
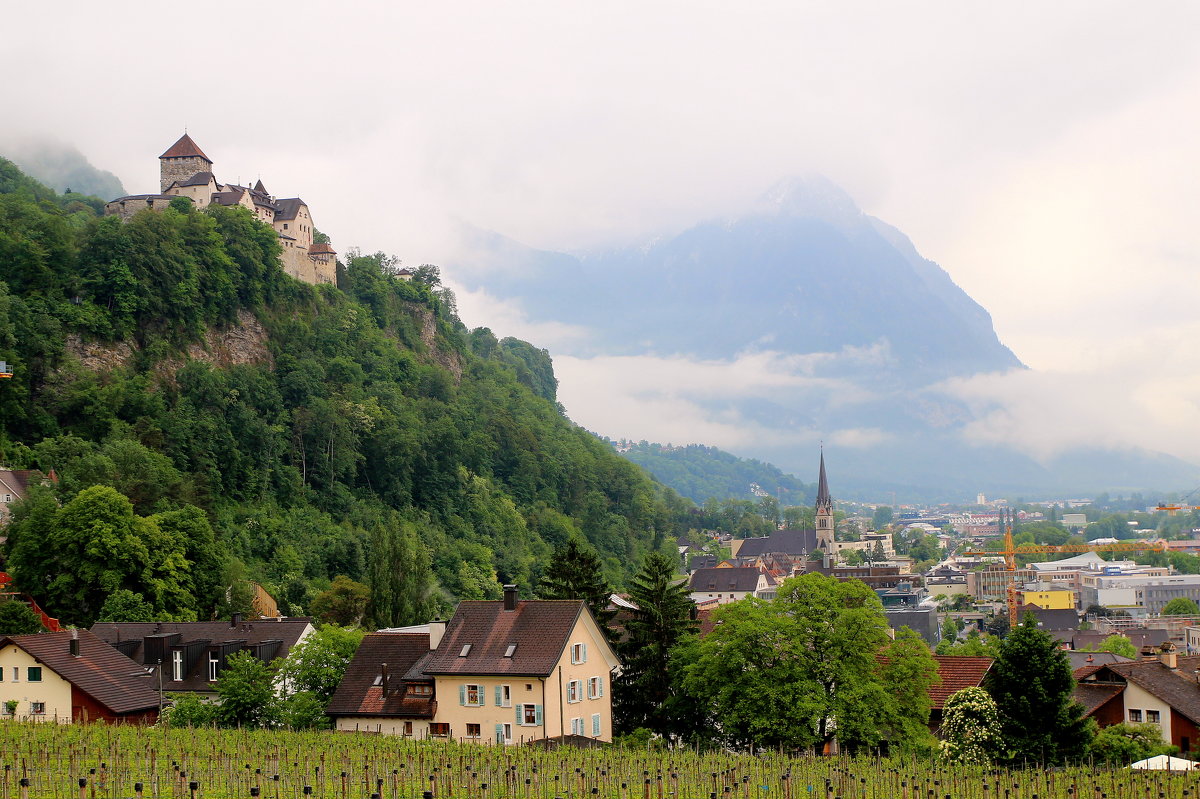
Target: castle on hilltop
[185,171]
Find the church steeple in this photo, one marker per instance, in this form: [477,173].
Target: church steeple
[824,510]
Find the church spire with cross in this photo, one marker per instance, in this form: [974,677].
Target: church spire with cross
[824,510]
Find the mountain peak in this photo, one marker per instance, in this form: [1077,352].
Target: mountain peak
[812,195]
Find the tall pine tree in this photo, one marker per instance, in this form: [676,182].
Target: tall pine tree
[400,577]
[1032,684]
[663,617]
[574,572]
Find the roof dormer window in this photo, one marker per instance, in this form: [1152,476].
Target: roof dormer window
[466,650]
[512,648]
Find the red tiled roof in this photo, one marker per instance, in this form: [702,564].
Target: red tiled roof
[185,148]
[539,628]
[320,247]
[359,695]
[103,673]
[957,673]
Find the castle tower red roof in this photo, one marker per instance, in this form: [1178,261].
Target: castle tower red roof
[185,148]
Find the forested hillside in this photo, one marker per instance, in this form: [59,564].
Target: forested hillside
[212,421]
[702,473]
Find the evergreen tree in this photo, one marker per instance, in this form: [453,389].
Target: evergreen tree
[663,617]
[1032,684]
[574,573]
[402,586]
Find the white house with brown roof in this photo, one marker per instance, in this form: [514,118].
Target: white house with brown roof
[73,676]
[728,584]
[508,671]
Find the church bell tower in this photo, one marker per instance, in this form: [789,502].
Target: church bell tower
[824,512]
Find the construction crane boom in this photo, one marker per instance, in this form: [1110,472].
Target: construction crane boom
[1010,553]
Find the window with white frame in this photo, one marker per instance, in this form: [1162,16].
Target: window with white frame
[574,691]
[1135,715]
[177,665]
[37,708]
[1153,716]
[577,726]
[503,696]
[595,725]
[595,687]
[529,715]
[471,695]
[578,653]
[213,662]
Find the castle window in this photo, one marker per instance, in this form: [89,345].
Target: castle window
[285,224]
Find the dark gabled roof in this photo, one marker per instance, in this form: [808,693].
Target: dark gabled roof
[1138,636]
[18,480]
[1053,619]
[252,633]
[701,562]
[100,671]
[784,542]
[287,209]
[185,148]
[198,179]
[1093,696]
[540,628]
[957,673]
[735,578]
[260,188]
[1092,660]
[360,693]
[1177,687]
[227,197]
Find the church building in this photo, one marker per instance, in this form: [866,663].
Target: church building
[185,171]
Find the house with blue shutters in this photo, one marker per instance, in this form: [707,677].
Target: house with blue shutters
[507,672]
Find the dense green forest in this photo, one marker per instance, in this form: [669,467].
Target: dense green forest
[701,473]
[212,421]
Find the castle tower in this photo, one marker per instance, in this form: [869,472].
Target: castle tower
[824,511]
[181,161]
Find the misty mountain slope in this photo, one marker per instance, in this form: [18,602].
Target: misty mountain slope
[862,331]
[806,272]
[62,168]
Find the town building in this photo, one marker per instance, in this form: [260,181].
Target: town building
[1162,691]
[956,673]
[190,656]
[185,171]
[509,671]
[73,676]
[730,583]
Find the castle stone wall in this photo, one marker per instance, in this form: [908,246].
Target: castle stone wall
[173,169]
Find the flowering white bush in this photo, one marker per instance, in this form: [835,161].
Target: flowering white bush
[970,727]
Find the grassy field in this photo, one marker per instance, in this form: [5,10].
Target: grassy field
[184,763]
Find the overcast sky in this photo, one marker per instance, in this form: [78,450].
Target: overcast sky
[1043,153]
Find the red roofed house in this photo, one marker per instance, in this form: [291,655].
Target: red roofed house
[508,671]
[74,676]
[957,673]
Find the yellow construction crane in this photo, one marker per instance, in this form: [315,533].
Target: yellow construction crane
[1010,553]
[1174,508]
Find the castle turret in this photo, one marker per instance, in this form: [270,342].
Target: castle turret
[181,161]
[824,511]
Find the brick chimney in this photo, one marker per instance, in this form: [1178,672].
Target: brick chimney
[510,597]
